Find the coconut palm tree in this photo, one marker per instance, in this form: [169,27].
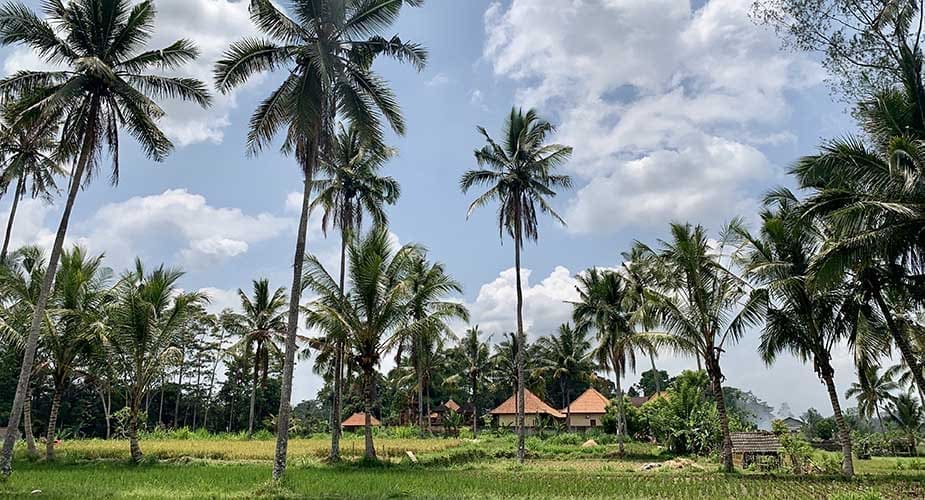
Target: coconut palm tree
[873,390]
[353,189]
[143,332]
[475,369]
[520,175]
[804,322]
[104,86]
[372,312]
[77,307]
[907,414]
[566,357]
[262,330]
[326,50]
[28,163]
[695,300]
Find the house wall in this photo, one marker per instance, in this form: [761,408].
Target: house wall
[511,420]
[583,420]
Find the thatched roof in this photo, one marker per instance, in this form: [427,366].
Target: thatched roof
[359,420]
[590,402]
[532,406]
[755,442]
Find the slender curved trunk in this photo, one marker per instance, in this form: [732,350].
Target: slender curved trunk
[521,340]
[337,406]
[621,422]
[106,400]
[27,426]
[716,379]
[844,433]
[176,403]
[370,452]
[292,325]
[253,402]
[902,343]
[52,423]
[25,371]
[20,189]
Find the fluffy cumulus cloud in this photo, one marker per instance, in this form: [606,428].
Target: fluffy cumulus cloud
[660,101]
[212,25]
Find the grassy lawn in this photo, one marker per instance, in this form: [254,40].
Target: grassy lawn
[447,469]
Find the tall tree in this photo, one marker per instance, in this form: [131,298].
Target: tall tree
[262,329]
[520,175]
[352,189]
[475,369]
[144,331]
[326,51]
[372,312]
[567,358]
[104,87]
[799,320]
[873,390]
[696,297]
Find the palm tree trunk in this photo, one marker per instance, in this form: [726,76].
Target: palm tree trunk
[134,447]
[253,403]
[621,425]
[336,406]
[20,188]
[25,371]
[292,325]
[208,405]
[716,379]
[27,426]
[521,340]
[106,400]
[658,382]
[844,432]
[176,403]
[902,342]
[879,418]
[160,408]
[417,368]
[52,423]
[370,452]
[475,411]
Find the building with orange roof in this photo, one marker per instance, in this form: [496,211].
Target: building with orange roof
[506,413]
[357,421]
[587,410]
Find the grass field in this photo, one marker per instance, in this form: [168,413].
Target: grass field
[447,469]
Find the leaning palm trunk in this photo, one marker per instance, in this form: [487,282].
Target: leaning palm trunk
[902,343]
[370,452]
[716,379]
[521,339]
[282,431]
[20,190]
[844,433]
[27,426]
[25,371]
[52,423]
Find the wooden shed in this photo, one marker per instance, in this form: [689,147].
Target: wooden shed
[755,447]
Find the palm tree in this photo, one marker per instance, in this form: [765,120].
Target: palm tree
[372,312]
[907,414]
[143,333]
[428,313]
[104,87]
[695,300]
[262,328]
[28,164]
[353,189]
[804,322]
[873,390]
[567,358]
[76,307]
[475,369]
[603,305]
[326,51]
[519,174]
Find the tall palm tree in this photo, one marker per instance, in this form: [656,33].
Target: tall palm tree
[77,307]
[28,163]
[873,390]
[326,50]
[428,312]
[353,188]
[520,175]
[805,322]
[372,312]
[262,328]
[475,369]
[695,300]
[104,87]
[566,357]
[143,332]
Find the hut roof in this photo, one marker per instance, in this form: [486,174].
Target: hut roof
[532,406]
[590,401]
[359,420]
[755,442]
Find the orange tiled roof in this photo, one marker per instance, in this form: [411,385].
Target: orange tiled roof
[532,406]
[452,405]
[359,420]
[590,402]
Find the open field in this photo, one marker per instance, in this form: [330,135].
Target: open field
[447,469]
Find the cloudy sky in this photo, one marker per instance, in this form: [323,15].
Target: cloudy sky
[678,110]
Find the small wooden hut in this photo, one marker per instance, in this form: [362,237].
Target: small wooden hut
[755,447]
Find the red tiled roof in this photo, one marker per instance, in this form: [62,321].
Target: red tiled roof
[590,402]
[359,420]
[638,401]
[532,406]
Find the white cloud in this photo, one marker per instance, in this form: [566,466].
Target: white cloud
[212,25]
[665,106]
[438,80]
[221,299]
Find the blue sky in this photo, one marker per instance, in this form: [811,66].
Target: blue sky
[678,111]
